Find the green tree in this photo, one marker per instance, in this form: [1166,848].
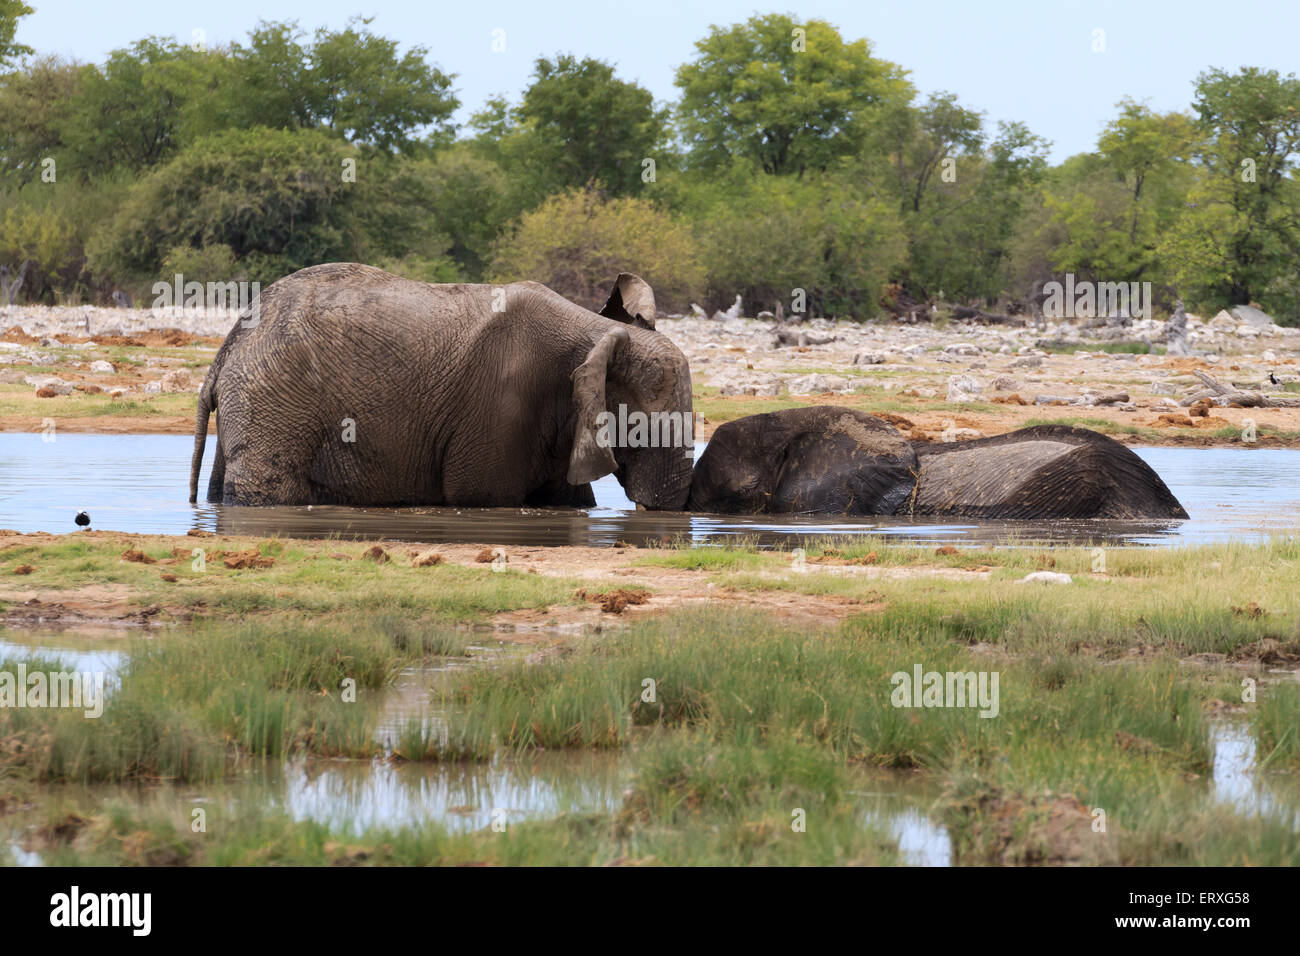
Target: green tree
[351,81]
[1103,215]
[35,104]
[11,11]
[275,198]
[127,113]
[1242,228]
[436,215]
[362,89]
[585,126]
[787,95]
[960,231]
[939,130]
[764,237]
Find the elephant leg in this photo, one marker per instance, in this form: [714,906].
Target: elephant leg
[561,494]
[218,478]
[268,464]
[263,487]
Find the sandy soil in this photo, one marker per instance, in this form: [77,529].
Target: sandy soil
[904,372]
[599,571]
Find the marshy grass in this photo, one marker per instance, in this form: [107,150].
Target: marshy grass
[730,720]
[188,706]
[736,676]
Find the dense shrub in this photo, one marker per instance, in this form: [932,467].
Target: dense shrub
[578,242]
[277,199]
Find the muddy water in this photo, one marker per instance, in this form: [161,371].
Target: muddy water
[139,483]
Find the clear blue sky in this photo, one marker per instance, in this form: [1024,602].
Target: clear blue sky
[1014,59]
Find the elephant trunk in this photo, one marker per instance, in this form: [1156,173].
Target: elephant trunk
[659,476]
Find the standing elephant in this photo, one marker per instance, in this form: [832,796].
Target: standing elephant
[817,460]
[357,387]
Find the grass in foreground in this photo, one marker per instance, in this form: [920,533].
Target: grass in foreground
[733,721]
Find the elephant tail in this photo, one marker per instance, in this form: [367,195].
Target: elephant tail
[206,405]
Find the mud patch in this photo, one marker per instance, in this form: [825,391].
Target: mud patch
[616,602]
[991,826]
[252,558]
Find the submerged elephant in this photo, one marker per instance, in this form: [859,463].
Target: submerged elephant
[817,460]
[1045,471]
[353,386]
[830,460]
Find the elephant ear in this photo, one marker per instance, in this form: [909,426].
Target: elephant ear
[592,457]
[632,301]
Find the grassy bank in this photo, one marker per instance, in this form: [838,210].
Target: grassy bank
[750,737]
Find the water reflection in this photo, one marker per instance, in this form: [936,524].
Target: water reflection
[73,654]
[139,483]
[896,803]
[460,797]
[1237,780]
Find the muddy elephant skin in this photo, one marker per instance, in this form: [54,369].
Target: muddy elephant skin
[818,460]
[835,461]
[1045,471]
[357,387]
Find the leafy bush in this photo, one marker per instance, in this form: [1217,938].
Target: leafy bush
[276,199]
[765,236]
[578,242]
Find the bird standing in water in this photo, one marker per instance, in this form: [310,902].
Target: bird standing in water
[82,519]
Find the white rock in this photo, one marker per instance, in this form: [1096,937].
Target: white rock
[1046,577]
[102,367]
[1252,316]
[964,388]
[177,381]
[817,384]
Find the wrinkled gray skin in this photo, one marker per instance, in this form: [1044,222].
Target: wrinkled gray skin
[1044,471]
[824,459]
[454,402]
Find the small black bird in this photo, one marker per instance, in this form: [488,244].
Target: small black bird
[82,519]
[1273,378]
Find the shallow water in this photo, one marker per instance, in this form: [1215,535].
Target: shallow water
[74,651]
[352,796]
[1238,783]
[139,483]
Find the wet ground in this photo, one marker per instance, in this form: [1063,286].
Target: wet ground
[352,796]
[139,483]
